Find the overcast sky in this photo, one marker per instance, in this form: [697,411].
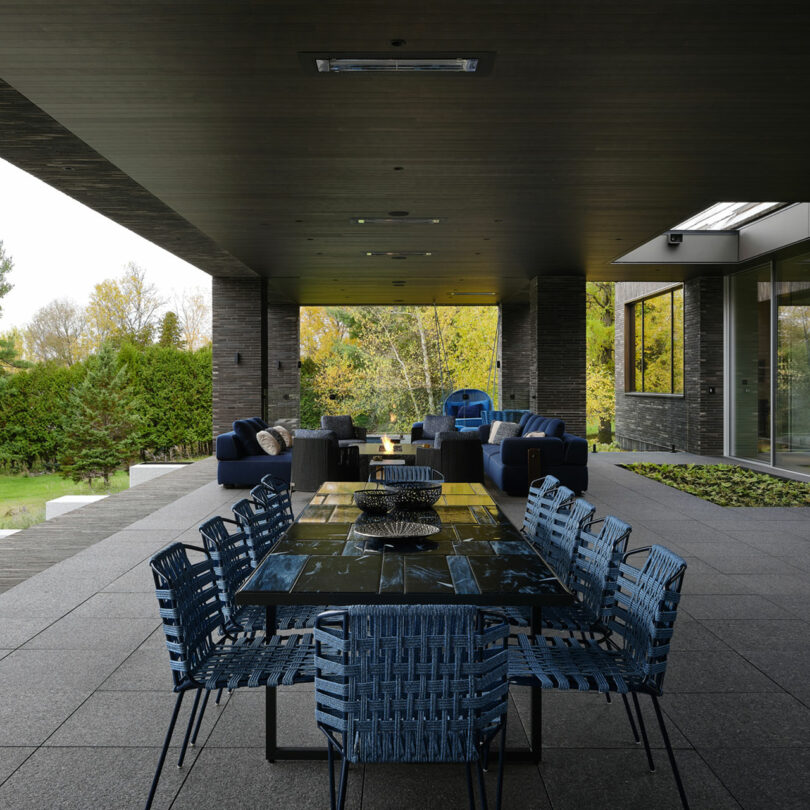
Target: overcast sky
[61,249]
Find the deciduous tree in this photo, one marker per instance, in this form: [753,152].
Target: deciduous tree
[57,333]
[194,313]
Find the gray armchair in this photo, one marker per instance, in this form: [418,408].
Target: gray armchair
[457,456]
[317,457]
[346,431]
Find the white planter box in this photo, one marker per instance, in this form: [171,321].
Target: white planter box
[67,503]
[138,473]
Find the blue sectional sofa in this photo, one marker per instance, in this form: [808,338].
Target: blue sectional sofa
[561,454]
[242,462]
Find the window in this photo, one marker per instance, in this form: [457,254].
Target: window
[654,343]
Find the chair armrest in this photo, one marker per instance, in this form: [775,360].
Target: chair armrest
[483,432]
[515,451]
[227,449]
[575,450]
[429,457]
[360,433]
[416,431]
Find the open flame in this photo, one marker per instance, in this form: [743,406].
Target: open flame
[387,444]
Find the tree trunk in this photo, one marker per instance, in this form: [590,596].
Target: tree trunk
[425,363]
[402,366]
[605,432]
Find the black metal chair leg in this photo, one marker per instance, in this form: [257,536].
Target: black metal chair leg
[470,791]
[200,717]
[189,726]
[643,733]
[630,718]
[163,751]
[481,786]
[670,753]
[501,758]
[219,696]
[344,778]
[330,758]
[607,697]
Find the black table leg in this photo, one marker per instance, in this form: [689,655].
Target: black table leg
[536,705]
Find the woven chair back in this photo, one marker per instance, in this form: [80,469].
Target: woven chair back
[280,488]
[405,683]
[548,505]
[539,494]
[231,561]
[189,604]
[596,565]
[567,523]
[646,606]
[407,473]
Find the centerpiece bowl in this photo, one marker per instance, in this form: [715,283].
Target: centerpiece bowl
[416,494]
[375,501]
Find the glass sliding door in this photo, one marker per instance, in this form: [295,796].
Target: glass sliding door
[792,412]
[750,432]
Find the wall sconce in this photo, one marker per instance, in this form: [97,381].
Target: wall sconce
[299,364]
[497,363]
[236,359]
[279,365]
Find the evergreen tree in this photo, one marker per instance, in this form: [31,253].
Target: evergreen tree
[100,429]
[170,332]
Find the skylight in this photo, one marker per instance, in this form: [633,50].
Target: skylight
[727,216]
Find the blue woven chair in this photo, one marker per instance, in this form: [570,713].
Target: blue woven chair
[641,621]
[232,562]
[188,599]
[538,502]
[411,683]
[263,525]
[395,474]
[281,488]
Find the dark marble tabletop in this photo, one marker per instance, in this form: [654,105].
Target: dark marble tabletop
[476,557]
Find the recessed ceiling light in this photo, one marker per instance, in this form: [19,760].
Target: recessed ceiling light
[479,64]
[398,254]
[395,220]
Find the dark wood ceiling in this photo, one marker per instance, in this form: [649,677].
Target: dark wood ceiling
[600,125]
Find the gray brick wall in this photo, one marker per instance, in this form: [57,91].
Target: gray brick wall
[237,305]
[557,344]
[515,351]
[693,422]
[284,381]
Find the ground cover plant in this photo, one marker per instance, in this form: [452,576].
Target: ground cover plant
[22,497]
[727,484]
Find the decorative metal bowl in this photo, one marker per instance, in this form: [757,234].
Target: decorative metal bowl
[416,494]
[392,530]
[375,501]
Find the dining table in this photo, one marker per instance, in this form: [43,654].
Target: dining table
[332,555]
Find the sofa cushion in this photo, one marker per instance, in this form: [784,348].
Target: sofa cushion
[472,410]
[536,434]
[434,424]
[455,436]
[453,407]
[535,423]
[285,434]
[341,425]
[246,430]
[503,430]
[258,421]
[525,418]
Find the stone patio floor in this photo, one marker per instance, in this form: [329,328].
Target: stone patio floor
[86,691]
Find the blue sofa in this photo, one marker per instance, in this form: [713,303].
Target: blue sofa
[242,462]
[561,454]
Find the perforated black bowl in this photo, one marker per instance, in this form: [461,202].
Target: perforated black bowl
[416,494]
[375,501]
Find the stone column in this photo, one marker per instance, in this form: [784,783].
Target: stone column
[283,374]
[557,341]
[514,356]
[239,351]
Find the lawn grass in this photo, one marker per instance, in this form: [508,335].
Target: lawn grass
[22,497]
[727,484]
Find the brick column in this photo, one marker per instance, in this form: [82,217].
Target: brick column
[557,340]
[283,374]
[703,364]
[515,351]
[237,330]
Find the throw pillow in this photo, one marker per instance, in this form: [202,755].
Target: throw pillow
[285,434]
[245,431]
[502,430]
[536,434]
[269,442]
[470,411]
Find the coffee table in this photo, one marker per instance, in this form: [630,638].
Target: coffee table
[370,452]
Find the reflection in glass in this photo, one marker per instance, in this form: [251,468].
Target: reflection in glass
[792,412]
[751,362]
[658,343]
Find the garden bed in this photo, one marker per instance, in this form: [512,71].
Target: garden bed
[727,484]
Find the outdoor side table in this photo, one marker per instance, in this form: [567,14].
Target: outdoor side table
[478,557]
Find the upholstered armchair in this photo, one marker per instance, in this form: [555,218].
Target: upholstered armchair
[457,456]
[424,432]
[346,431]
[318,457]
